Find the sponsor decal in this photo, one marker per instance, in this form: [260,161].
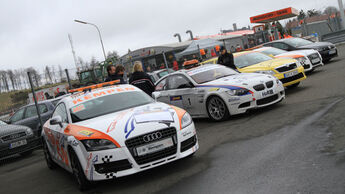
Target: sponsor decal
[112,125]
[234,99]
[175,98]
[88,163]
[267,93]
[75,143]
[230,87]
[86,133]
[213,89]
[94,160]
[78,108]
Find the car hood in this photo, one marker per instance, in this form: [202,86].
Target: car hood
[267,65]
[316,45]
[243,80]
[12,129]
[133,122]
[303,52]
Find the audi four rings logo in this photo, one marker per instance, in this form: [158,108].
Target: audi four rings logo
[152,137]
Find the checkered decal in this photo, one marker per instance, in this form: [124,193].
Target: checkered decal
[106,159]
[110,175]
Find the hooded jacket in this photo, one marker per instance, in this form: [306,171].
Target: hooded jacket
[227,60]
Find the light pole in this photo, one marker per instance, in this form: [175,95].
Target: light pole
[99,33]
[342,15]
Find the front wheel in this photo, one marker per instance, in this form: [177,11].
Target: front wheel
[50,163]
[78,172]
[217,109]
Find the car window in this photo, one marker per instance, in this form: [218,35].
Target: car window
[30,112]
[210,73]
[162,85]
[280,45]
[249,59]
[108,104]
[43,108]
[60,110]
[18,115]
[297,42]
[272,51]
[179,82]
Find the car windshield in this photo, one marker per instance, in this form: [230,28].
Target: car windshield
[108,104]
[210,73]
[249,59]
[272,51]
[297,42]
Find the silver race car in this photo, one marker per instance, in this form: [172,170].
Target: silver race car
[217,92]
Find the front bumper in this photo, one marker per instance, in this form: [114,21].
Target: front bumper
[109,164]
[31,144]
[287,81]
[329,54]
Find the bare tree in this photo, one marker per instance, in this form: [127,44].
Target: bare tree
[12,79]
[330,10]
[48,74]
[113,55]
[61,74]
[36,78]
[93,62]
[3,77]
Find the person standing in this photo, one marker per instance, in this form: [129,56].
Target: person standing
[226,59]
[141,79]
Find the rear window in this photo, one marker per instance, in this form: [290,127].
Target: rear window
[108,104]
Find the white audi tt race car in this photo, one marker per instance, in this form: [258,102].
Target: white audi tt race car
[310,59]
[115,131]
[217,92]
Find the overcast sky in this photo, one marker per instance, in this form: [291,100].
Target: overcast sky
[35,32]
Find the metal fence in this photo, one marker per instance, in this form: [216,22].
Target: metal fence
[334,37]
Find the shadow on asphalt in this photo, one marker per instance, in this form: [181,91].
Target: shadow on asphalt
[15,158]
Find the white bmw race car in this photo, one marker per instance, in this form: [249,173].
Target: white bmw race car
[309,58]
[217,92]
[115,131]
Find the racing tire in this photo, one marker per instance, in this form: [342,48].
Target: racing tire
[217,109]
[50,163]
[293,85]
[78,172]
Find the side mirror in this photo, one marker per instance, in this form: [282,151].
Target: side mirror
[156,95]
[57,120]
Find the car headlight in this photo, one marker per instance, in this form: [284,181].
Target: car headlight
[29,132]
[186,120]
[98,144]
[269,72]
[238,92]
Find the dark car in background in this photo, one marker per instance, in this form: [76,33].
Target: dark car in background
[156,75]
[16,139]
[28,116]
[326,49]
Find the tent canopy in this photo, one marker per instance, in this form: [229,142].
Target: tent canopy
[194,47]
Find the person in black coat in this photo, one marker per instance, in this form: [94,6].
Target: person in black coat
[141,80]
[115,74]
[226,59]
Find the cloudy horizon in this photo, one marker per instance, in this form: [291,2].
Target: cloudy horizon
[35,33]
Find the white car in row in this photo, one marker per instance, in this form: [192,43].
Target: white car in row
[310,59]
[217,92]
[115,131]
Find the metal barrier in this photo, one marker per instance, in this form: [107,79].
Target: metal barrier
[334,37]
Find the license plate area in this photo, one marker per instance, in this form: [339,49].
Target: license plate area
[315,60]
[290,74]
[267,93]
[18,143]
[155,146]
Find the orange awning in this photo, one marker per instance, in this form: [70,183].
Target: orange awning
[275,15]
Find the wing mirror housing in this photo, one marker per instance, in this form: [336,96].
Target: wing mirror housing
[57,120]
[156,95]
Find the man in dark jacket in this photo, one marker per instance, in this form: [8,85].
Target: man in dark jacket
[141,79]
[226,59]
[115,74]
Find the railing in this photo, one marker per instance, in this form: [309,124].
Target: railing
[334,37]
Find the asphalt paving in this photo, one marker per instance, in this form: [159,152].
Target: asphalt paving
[296,146]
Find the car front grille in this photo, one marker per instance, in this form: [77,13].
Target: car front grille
[287,67]
[13,136]
[189,143]
[314,56]
[306,66]
[135,142]
[269,84]
[115,166]
[267,100]
[289,79]
[259,87]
